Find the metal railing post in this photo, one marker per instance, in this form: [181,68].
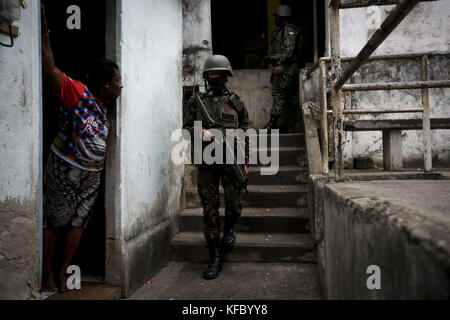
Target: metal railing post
[316,39]
[426,118]
[336,101]
[338,134]
[324,118]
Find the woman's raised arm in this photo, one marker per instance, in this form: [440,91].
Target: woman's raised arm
[53,74]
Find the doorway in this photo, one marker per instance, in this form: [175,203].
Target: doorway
[241,30]
[74,50]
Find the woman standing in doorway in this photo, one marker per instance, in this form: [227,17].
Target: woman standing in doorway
[73,172]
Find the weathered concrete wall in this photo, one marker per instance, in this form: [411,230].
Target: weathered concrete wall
[20,160]
[150,109]
[197,39]
[400,226]
[360,144]
[426,28]
[255,89]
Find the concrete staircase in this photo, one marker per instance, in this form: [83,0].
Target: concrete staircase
[273,220]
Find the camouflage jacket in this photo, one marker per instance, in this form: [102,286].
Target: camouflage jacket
[284,48]
[227,109]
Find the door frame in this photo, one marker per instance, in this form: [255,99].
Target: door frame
[113,239]
[114,270]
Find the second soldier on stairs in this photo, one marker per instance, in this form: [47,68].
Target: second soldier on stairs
[283,54]
[229,111]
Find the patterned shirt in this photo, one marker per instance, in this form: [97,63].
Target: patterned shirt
[83,127]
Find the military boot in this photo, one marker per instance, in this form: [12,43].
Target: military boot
[272,124]
[229,237]
[215,259]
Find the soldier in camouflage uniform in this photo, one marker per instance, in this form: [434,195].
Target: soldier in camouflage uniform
[228,110]
[283,54]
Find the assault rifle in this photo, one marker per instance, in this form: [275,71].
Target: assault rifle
[209,123]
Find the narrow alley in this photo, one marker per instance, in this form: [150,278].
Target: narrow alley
[347,102]
[273,258]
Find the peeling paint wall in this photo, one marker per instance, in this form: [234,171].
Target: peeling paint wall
[197,39]
[150,110]
[426,28]
[20,160]
[370,143]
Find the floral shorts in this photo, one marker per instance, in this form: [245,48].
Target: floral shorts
[69,193]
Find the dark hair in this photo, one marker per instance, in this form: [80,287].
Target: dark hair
[101,70]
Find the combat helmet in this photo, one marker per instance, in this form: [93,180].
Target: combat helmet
[283,11]
[217,62]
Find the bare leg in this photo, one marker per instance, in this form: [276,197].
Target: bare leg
[73,240]
[48,283]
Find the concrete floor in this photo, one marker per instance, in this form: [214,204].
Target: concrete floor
[237,281]
[429,196]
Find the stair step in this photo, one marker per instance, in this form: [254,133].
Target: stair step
[284,140]
[287,156]
[270,196]
[284,175]
[252,220]
[249,247]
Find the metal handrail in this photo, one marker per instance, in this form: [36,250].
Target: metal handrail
[338,85]
[393,56]
[375,57]
[349,4]
[378,111]
[396,85]
[424,85]
[392,21]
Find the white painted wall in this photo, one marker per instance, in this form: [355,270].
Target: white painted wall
[19,104]
[197,39]
[20,159]
[151,109]
[426,28]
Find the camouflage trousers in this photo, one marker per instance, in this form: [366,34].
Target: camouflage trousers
[208,179]
[285,91]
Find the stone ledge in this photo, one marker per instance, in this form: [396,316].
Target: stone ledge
[387,224]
